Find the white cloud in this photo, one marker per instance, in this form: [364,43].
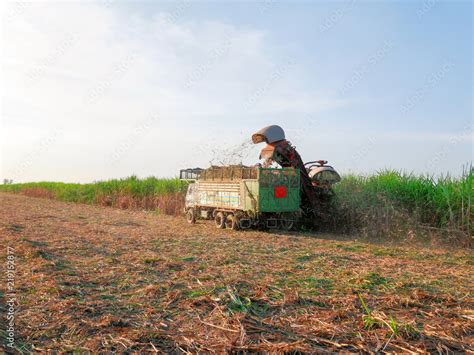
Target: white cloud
[95,73]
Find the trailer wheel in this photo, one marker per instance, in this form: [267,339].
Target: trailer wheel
[220,220]
[191,216]
[286,224]
[232,222]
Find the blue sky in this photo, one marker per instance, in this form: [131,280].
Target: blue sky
[102,90]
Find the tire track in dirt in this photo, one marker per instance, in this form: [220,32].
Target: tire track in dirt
[103,279]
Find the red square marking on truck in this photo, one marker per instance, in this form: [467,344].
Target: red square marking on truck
[280,191]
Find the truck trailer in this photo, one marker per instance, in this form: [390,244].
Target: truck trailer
[244,197]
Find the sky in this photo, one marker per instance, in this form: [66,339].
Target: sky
[99,90]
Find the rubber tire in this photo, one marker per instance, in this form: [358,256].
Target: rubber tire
[191,216]
[219,219]
[232,222]
[287,226]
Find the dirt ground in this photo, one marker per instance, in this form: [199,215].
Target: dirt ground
[94,278]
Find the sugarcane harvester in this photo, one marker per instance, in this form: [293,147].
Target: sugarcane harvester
[240,197]
[282,152]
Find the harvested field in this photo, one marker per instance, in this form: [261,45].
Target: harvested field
[97,278]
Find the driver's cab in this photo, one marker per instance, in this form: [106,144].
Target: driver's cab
[322,175]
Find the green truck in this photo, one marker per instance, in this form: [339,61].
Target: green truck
[243,197]
[238,196]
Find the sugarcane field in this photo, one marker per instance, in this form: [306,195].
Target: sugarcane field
[239,177]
